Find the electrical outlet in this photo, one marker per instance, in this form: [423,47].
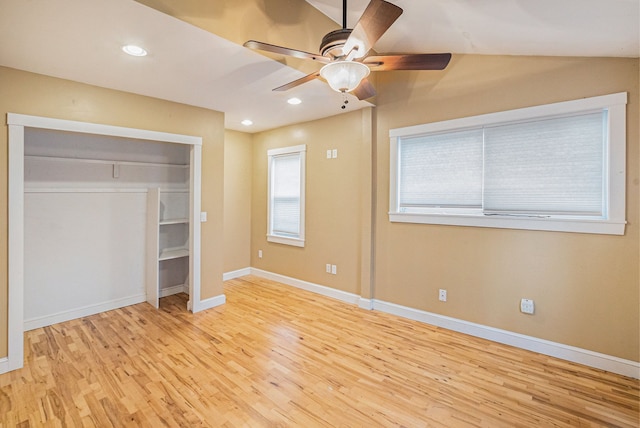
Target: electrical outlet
[335,153]
[442,295]
[259,254]
[329,153]
[334,269]
[328,268]
[527,306]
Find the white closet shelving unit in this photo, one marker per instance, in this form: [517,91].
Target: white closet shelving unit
[167,243]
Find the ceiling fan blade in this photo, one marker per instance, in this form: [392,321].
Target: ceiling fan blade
[298,82]
[364,90]
[408,62]
[253,44]
[374,22]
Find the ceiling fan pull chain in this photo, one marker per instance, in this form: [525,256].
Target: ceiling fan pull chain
[345,101]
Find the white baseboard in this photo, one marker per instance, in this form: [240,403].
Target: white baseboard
[365,303]
[11,362]
[209,303]
[236,274]
[170,291]
[309,286]
[558,350]
[47,320]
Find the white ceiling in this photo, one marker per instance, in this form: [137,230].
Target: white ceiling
[506,27]
[80,40]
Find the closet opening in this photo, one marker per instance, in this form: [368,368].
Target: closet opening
[100,217]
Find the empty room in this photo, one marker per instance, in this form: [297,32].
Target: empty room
[320,213]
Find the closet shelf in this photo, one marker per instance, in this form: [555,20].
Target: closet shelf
[96,190]
[174,221]
[83,190]
[173,253]
[106,161]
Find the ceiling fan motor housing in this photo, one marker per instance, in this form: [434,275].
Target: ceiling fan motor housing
[333,42]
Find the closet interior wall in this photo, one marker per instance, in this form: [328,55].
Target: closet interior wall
[87,223]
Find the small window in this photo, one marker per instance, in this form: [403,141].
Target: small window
[557,167]
[286,195]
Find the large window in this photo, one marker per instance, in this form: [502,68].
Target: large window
[286,195]
[555,167]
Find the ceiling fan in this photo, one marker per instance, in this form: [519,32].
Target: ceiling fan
[345,53]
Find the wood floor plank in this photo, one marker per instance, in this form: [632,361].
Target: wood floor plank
[278,356]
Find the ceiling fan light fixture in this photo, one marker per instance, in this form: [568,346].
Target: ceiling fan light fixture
[344,76]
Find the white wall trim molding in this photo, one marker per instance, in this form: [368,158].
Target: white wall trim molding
[309,286]
[195,302]
[15,357]
[236,274]
[365,303]
[4,365]
[541,346]
[100,129]
[33,323]
[211,302]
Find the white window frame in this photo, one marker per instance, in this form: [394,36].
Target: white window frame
[272,237]
[612,223]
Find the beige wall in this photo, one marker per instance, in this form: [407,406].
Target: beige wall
[335,201]
[32,94]
[586,287]
[237,200]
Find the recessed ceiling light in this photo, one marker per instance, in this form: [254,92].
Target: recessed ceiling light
[294,101]
[247,122]
[134,50]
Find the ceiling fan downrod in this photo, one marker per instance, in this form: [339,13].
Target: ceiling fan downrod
[344,14]
[333,41]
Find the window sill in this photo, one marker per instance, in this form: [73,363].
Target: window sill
[286,241]
[605,227]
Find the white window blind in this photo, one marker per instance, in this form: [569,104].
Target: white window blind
[547,166]
[286,195]
[441,170]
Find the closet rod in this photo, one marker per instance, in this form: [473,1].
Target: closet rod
[107,162]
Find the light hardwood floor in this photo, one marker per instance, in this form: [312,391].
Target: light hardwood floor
[278,356]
